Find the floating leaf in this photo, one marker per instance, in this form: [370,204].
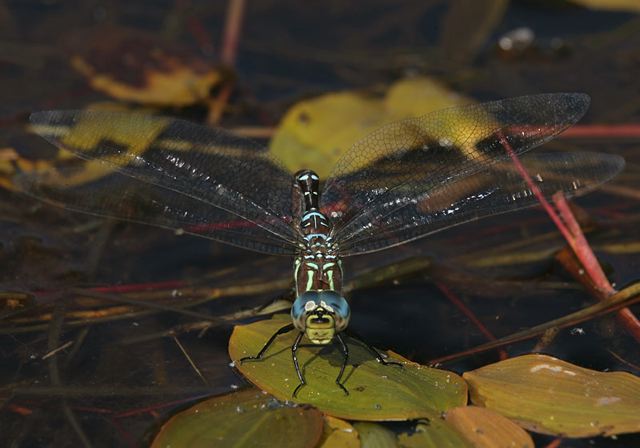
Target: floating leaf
[547,395]
[435,433]
[373,435]
[339,433]
[377,392]
[485,428]
[242,419]
[316,132]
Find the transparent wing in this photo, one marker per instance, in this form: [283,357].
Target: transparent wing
[411,178]
[496,190]
[180,175]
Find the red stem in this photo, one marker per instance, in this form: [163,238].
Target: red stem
[536,191]
[603,131]
[581,247]
[570,229]
[232,29]
[555,443]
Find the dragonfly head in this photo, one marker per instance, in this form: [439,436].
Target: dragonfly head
[320,315]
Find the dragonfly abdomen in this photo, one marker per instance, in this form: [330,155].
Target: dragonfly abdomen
[317,266]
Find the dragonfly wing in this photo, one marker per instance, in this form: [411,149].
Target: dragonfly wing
[410,160]
[491,192]
[181,176]
[129,199]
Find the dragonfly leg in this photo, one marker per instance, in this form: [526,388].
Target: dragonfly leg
[382,359]
[294,355]
[283,330]
[345,354]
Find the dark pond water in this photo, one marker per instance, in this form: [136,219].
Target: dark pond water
[102,370]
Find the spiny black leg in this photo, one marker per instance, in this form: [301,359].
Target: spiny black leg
[294,354]
[345,354]
[374,351]
[286,329]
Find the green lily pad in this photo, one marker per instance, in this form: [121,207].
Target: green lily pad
[377,392]
[547,395]
[435,433]
[483,427]
[243,419]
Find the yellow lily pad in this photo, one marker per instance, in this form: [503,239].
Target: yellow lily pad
[435,433]
[243,419]
[377,392]
[547,395]
[315,133]
[484,428]
[339,433]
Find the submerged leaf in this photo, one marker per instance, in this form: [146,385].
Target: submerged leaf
[243,419]
[485,428]
[339,433]
[135,66]
[316,132]
[434,433]
[373,435]
[547,395]
[376,392]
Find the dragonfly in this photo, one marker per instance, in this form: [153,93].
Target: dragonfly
[404,181]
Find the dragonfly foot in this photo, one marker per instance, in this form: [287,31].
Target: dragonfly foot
[344,389]
[249,358]
[297,389]
[384,362]
[266,346]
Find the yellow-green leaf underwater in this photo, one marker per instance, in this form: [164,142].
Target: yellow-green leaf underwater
[377,392]
[339,433]
[373,435]
[248,418]
[547,395]
[434,433]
